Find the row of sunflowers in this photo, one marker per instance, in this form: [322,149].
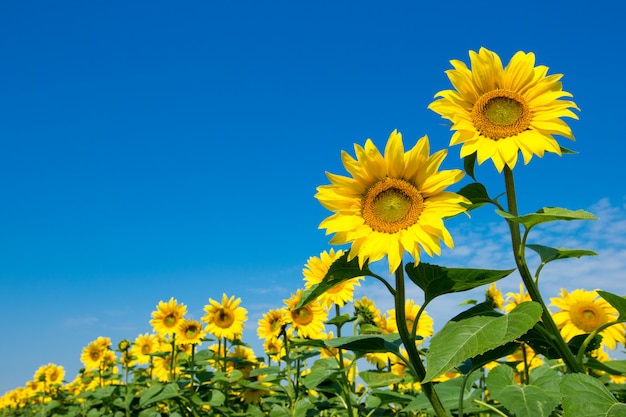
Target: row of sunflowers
[499,357]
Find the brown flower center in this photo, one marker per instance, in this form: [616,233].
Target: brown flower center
[392,205]
[302,316]
[169,320]
[224,318]
[588,317]
[500,114]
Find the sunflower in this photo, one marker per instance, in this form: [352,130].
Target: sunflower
[366,313]
[307,321]
[270,326]
[54,374]
[494,295]
[167,316]
[582,312]
[145,345]
[190,332]
[515,299]
[497,112]
[424,324]
[316,269]
[92,355]
[274,348]
[225,319]
[392,203]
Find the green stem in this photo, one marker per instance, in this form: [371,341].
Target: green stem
[527,278]
[345,380]
[411,348]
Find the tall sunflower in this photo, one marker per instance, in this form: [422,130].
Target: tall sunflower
[392,203]
[225,319]
[316,269]
[307,321]
[92,355]
[582,312]
[497,112]
[167,316]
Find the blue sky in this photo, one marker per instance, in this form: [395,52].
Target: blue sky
[151,150]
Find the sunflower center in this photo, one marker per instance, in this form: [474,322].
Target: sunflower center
[391,205]
[191,332]
[169,320]
[95,356]
[499,114]
[588,318]
[145,349]
[302,316]
[224,318]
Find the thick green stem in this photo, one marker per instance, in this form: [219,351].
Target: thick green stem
[411,348]
[527,278]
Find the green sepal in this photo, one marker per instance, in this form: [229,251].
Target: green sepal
[437,280]
[469,163]
[547,214]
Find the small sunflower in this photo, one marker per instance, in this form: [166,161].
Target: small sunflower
[424,324]
[226,319]
[494,295]
[167,316]
[366,313]
[270,326]
[582,312]
[190,332]
[145,345]
[515,299]
[497,112]
[392,203]
[54,374]
[307,321]
[274,348]
[92,355]
[316,269]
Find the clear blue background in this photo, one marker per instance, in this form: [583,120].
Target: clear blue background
[158,149]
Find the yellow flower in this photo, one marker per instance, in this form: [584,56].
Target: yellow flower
[54,374]
[392,203]
[582,312]
[271,324]
[316,269]
[274,348]
[495,296]
[424,324]
[307,321]
[92,355]
[515,299]
[225,319]
[162,365]
[145,344]
[190,332]
[167,316]
[497,112]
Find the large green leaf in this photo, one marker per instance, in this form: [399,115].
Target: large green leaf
[619,303]
[459,340]
[537,399]
[547,214]
[548,254]
[584,395]
[341,270]
[168,391]
[375,379]
[437,280]
[367,343]
[448,393]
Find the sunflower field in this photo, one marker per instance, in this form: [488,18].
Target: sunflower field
[326,353]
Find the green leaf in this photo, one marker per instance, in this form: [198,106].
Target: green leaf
[566,151]
[547,214]
[459,340]
[584,395]
[476,193]
[315,377]
[536,399]
[375,379]
[341,320]
[341,270]
[168,391]
[469,162]
[367,343]
[448,393]
[619,303]
[548,254]
[438,280]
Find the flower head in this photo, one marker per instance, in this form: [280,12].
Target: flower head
[308,320]
[190,332]
[167,316]
[392,203]
[271,325]
[582,312]
[497,112]
[145,345]
[225,319]
[316,269]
